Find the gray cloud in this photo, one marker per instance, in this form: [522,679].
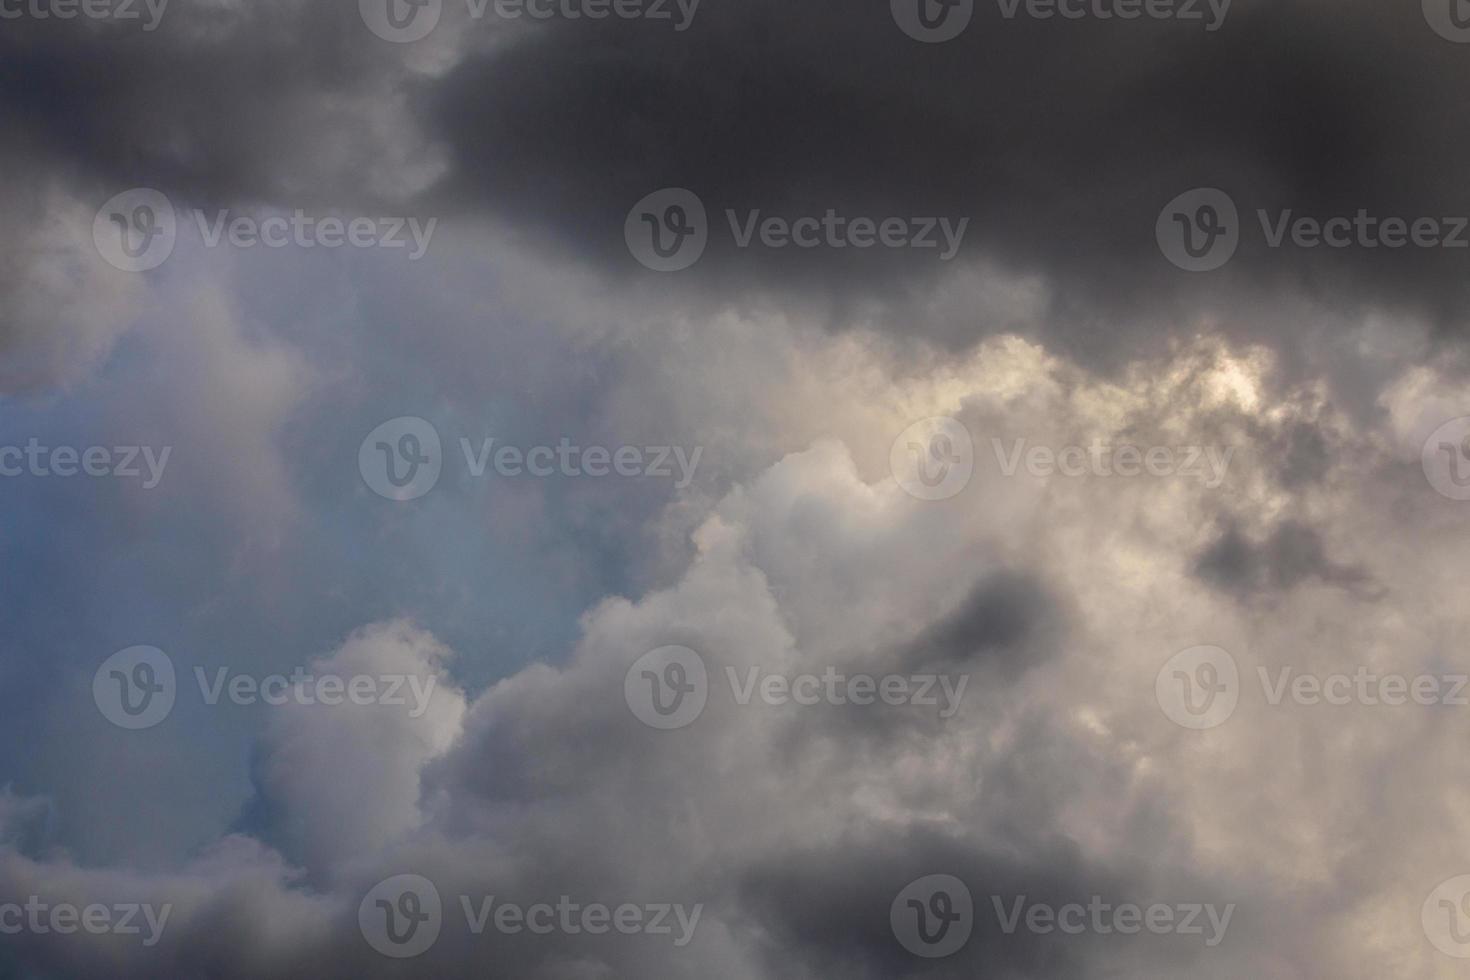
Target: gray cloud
[1059,141]
[794,550]
[1292,553]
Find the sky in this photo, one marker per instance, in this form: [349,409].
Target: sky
[582,489]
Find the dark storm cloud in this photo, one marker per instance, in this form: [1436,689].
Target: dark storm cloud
[205,107]
[1291,554]
[1307,456]
[824,914]
[221,105]
[1009,620]
[827,915]
[1060,140]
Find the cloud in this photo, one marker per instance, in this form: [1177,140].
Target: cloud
[1310,378]
[64,308]
[1291,554]
[1059,141]
[357,772]
[794,827]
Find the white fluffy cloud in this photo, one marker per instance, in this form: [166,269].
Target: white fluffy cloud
[1059,597]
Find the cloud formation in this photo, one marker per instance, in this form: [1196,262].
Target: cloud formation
[1179,582]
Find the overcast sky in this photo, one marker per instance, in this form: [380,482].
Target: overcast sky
[734,489]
